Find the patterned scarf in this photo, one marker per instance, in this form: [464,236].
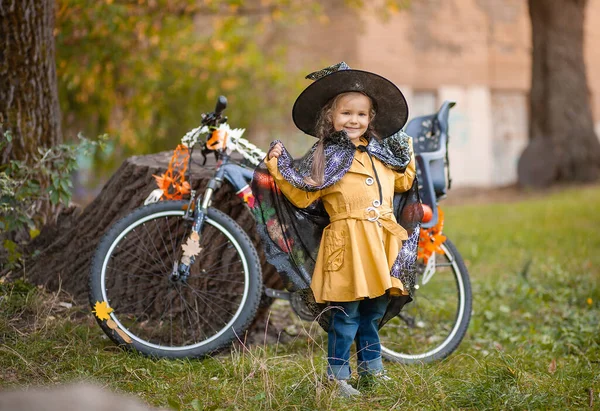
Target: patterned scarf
[394,152]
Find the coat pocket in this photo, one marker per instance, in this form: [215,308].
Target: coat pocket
[335,244]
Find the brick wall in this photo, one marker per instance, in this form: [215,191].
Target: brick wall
[476,52]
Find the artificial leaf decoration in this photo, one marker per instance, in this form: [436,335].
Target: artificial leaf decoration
[113,326]
[249,199]
[172,182]
[191,248]
[124,336]
[102,310]
[247,196]
[430,240]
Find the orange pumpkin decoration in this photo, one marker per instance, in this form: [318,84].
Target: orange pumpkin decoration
[427,213]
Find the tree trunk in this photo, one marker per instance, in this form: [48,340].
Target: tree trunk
[563,146]
[65,249]
[28,92]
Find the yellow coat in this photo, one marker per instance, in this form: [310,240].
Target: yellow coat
[356,254]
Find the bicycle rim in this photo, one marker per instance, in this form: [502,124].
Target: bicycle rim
[432,326]
[164,315]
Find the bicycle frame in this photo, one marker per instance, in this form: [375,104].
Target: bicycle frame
[222,141]
[198,208]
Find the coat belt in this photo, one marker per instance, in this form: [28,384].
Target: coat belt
[381,216]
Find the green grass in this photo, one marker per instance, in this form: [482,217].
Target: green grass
[533,342]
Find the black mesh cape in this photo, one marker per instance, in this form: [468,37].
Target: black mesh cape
[291,236]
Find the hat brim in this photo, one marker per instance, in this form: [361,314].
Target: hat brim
[391,106]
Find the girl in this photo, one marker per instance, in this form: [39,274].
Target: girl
[352,172]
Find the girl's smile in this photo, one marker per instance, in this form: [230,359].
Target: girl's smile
[352,114]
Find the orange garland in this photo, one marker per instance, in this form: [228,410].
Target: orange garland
[172,182]
[431,239]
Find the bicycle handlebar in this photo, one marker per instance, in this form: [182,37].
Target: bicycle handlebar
[215,118]
[221,105]
[230,139]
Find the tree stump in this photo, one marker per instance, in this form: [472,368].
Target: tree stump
[65,249]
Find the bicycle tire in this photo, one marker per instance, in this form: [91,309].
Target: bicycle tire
[432,326]
[159,317]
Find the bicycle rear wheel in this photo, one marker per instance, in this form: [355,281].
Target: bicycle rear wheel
[157,315]
[432,326]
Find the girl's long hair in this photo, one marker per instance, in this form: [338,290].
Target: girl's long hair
[324,128]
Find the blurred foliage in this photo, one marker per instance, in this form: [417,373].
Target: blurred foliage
[25,187]
[144,70]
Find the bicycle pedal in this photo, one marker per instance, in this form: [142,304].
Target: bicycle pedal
[281,294]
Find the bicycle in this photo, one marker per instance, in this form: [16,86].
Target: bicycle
[180,278]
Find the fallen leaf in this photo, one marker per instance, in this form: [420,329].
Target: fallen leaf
[552,366]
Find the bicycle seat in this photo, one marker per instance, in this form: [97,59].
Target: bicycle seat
[430,140]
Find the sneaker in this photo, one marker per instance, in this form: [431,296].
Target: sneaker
[345,390]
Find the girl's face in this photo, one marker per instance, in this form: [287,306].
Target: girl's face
[352,114]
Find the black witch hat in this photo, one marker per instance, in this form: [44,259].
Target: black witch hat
[390,104]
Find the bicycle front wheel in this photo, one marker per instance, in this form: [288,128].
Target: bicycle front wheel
[141,306]
[432,326]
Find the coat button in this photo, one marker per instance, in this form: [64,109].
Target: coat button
[369,181]
[376,203]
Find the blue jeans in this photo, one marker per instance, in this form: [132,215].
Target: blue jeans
[355,321]
[237,176]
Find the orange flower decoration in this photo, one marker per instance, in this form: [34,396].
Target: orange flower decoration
[431,239]
[172,182]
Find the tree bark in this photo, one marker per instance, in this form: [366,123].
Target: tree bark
[29,105]
[64,250]
[563,146]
